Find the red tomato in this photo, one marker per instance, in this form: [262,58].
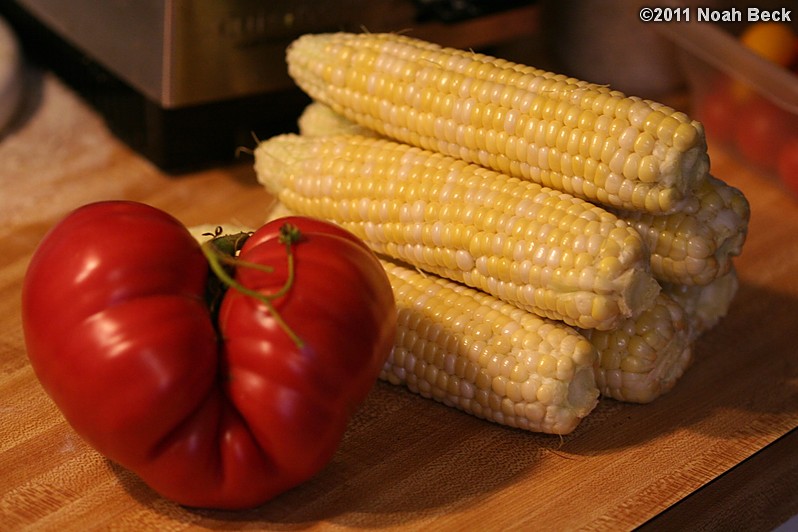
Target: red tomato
[717,110]
[223,414]
[761,129]
[788,165]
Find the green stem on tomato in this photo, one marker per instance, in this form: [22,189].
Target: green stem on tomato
[228,245]
[289,235]
[232,261]
[218,253]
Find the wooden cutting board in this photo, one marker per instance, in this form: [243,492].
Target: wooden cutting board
[703,454]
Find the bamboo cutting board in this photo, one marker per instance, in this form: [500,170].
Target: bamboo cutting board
[407,462]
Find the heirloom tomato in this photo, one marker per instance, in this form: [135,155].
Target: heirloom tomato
[217,395]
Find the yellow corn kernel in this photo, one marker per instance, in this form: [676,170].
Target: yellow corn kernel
[510,117]
[696,245]
[543,250]
[643,357]
[530,372]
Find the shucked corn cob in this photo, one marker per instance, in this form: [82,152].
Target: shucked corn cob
[567,134]
[696,245]
[542,250]
[486,357]
[704,305]
[643,357]
[318,119]
[692,246]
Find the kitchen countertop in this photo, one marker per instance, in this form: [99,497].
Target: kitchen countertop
[720,449]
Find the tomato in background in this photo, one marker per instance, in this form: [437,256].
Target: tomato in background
[788,165]
[760,131]
[717,110]
[774,41]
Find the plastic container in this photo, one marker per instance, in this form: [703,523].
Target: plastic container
[748,105]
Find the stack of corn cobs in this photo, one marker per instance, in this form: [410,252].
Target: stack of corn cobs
[549,241]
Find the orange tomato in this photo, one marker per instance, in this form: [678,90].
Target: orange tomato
[774,41]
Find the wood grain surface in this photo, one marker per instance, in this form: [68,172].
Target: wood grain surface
[699,457]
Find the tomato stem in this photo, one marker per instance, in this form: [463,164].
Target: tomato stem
[221,250]
[289,235]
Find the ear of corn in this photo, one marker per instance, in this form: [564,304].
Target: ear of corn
[696,245]
[705,305]
[542,250]
[692,246]
[580,138]
[645,356]
[486,357]
[318,119]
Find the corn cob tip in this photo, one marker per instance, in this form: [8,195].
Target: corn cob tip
[644,356]
[696,245]
[640,293]
[705,305]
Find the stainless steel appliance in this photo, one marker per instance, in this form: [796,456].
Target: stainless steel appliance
[186,82]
